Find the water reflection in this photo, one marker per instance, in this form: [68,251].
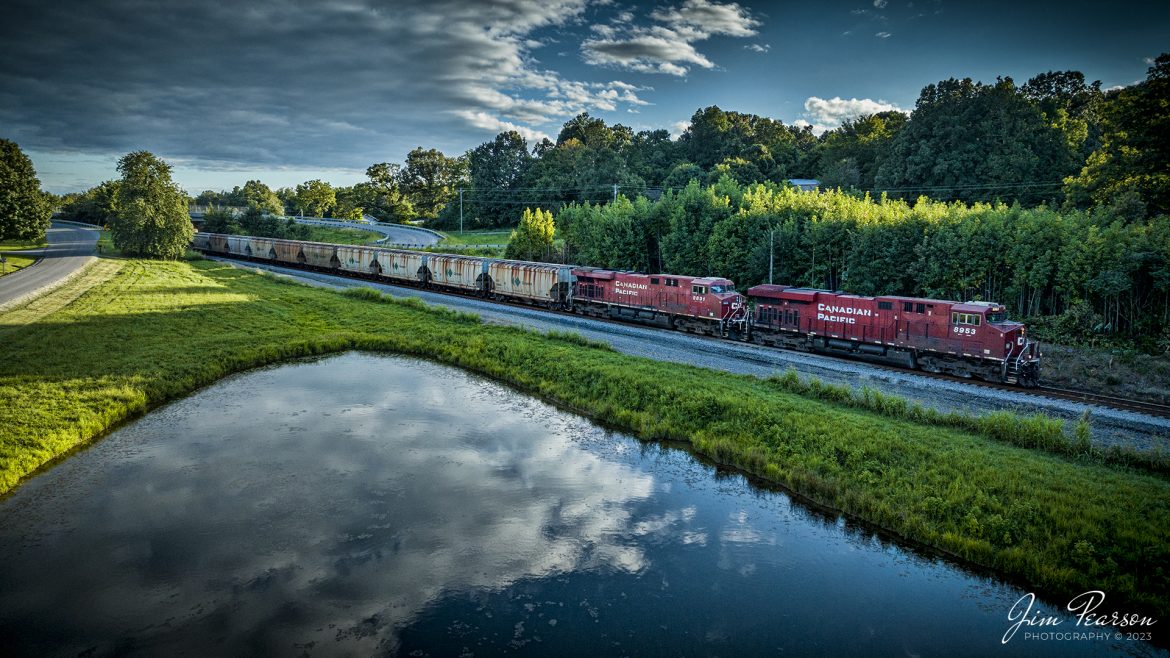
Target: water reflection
[364,504]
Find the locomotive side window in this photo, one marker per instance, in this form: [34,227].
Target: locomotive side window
[908,307]
[965,318]
[672,282]
[920,308]
[698,290]
[653,281]
[885,306]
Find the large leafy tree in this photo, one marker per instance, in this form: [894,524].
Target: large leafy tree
[257,195]
[151,219]
[24,210]
[315,198]
[497,169]
[431,179]
[1133,161]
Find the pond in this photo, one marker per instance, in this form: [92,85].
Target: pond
[367,504]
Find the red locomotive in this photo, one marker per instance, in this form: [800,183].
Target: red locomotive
[974,339]
[707,305]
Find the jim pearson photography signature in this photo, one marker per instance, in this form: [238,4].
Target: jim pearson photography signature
[1088,621]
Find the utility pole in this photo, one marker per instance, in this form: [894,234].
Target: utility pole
[615,192]
[771,254]
[461,211]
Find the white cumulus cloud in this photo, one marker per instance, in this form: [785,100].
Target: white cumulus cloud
[826,114]
[668,46]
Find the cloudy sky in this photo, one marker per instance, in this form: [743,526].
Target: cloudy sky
[287,90]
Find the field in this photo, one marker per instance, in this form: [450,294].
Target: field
[131,334]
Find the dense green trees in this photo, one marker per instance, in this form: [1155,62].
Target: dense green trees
[497,169]
[151,217]
[849,155]
[25,211]
[97,205]
[976,142]
[1133,161]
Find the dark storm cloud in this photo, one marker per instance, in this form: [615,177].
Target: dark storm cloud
[325,84]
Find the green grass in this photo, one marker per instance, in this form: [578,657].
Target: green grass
[340,235]
[132,334]
[492,236]
[14,263]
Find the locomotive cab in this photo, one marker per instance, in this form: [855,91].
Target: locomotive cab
[1000,338]
[725,303]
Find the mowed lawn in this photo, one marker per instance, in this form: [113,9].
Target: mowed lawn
[131,334]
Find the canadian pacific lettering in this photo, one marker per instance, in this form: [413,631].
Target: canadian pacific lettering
[843,314]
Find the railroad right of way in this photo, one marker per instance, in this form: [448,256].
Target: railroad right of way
[1109,426]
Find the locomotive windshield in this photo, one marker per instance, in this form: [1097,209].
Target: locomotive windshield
[997,316]
[727,288]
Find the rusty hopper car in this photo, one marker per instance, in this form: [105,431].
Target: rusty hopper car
[288,251]
[218,243]
[321,255]
[359,260]
[402,265]
[259,248]
[237,244]
[542,283]
[462,272]
[706,305]
[974,339]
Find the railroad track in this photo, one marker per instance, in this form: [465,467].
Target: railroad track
[1124,404]
[1140,406]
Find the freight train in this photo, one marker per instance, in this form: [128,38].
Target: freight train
[972,339]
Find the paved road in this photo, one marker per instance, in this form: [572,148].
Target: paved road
[70,248]
[395,233]
[1109,426]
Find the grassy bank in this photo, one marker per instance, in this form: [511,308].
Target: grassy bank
[131,334]
[13,262]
